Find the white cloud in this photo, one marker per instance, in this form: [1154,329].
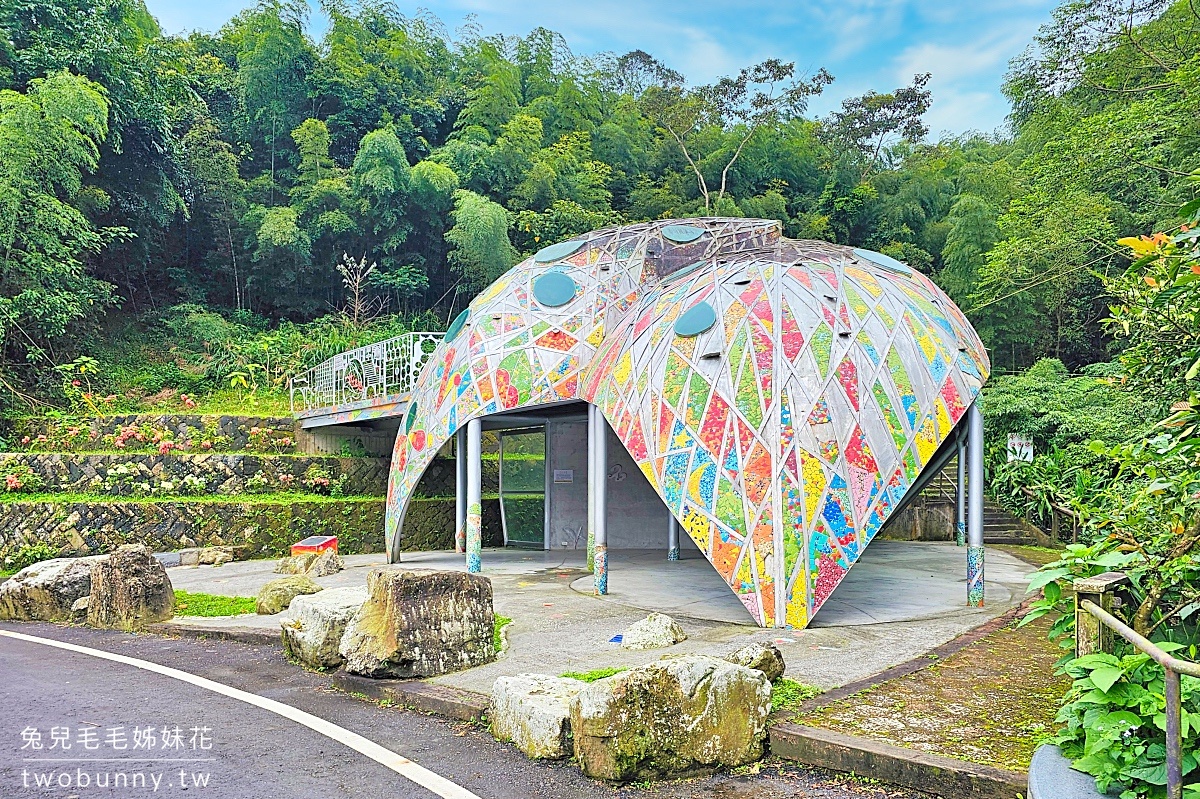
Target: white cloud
[987,54]
[956,112]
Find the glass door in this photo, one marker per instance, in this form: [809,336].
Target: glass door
[523,487]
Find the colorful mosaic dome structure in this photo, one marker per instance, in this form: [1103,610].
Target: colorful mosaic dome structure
[781,396]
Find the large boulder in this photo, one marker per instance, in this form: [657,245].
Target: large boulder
[533,711]
[207,556]
[275,596]
[764,657]
[314,564]
[420,624]
[318,622]
[653,632]
[682,715]
[130,589]
[295,564]
[325,564]
[46,591]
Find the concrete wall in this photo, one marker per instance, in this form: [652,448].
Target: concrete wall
[637,518]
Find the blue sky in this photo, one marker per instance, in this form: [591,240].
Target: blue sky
[866,44]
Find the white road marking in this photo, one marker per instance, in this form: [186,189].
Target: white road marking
[385,757]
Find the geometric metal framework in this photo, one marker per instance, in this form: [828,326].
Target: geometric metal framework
[364,374]
[780,396]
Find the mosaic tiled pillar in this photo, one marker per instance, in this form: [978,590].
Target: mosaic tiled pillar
[474,535]
[598,482]
[672,538]
[460,491]
[960,496]
[974,506]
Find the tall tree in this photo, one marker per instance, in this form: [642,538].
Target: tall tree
[51,138]
[871,121]
[758,97]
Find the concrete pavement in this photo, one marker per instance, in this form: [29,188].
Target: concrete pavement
[901,600]
[253,754]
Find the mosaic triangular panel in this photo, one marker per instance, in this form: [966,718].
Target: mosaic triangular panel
[781,437]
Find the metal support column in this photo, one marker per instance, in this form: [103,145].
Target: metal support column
[672,537]
[474,533]
[591,490]
[975,505]
[960,527]
[460,490]
[598,483]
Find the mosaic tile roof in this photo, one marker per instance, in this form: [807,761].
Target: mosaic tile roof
[781,437]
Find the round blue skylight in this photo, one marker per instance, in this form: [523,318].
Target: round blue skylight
[457,325]
[556,251]
[554,289]
[682,234]
[699,318]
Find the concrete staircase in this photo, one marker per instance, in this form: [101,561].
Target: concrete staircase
[932,517]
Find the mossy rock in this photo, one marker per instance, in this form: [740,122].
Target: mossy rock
[275,596]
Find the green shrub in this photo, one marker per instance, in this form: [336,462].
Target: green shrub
[257,483]
[27,555]
[19,478]
[318,480]
[1115,717]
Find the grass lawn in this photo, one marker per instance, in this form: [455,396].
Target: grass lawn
[188,604]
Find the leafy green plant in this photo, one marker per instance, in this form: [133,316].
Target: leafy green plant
[21,478]
[1115,721]
[257,483]
[29,554]
[318,479]
[788,694]
[268,440]
[1076,562]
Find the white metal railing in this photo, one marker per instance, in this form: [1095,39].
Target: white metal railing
[377,370]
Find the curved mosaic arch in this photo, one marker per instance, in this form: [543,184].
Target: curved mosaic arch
[781,436]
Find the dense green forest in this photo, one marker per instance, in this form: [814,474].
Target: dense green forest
[209,193]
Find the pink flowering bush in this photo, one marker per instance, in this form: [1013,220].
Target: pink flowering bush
[19,478]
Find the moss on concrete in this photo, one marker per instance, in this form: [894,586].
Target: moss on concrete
[991,703]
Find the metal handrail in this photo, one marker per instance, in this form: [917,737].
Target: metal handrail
[385,368]
[1172,668]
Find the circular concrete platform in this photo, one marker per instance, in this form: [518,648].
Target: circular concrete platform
[893,581]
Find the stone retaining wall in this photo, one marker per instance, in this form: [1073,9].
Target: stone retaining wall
[221,473]
[429,524]
[438,480]
[267,528]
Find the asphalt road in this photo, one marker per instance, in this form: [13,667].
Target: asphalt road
[228,749]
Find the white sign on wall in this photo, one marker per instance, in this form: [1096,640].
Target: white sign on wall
[564,475]
[1020,448]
